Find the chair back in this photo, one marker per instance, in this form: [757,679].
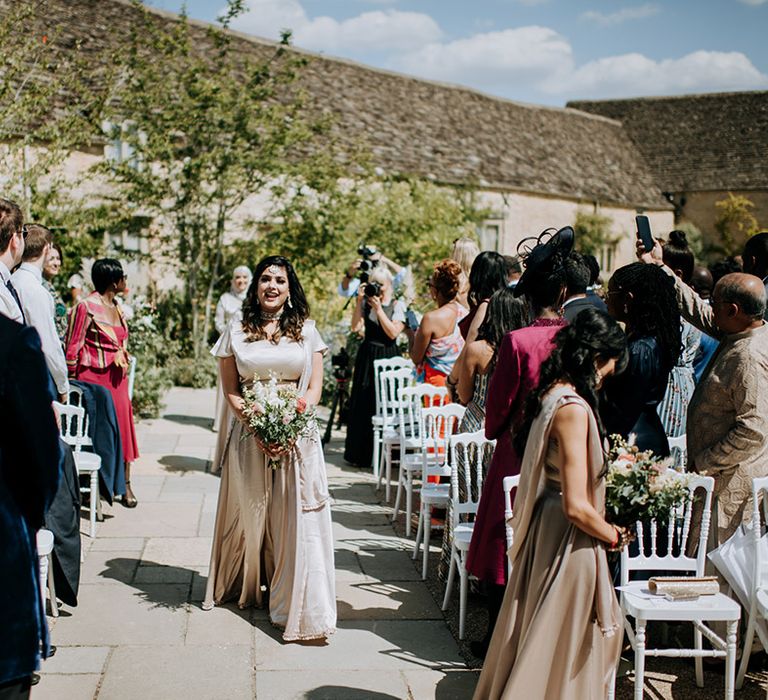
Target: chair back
[760,574]
[467,455]
[438,423]
[77,398]
[381,366]
[509,484]
[678,449]
[412,400]
[72,424]
[393,381]
[131,376]
[667,550]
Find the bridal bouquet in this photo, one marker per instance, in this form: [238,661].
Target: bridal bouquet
[277,415]
[640,485]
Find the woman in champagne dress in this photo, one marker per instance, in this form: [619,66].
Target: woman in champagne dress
[273,526]
[558,634]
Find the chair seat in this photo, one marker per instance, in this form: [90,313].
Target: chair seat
[705,607]
[462,535]
[44,542]
[435,493]
[87,461]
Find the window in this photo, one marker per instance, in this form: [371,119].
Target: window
[121,138]
[489,233]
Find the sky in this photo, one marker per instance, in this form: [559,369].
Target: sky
[537,51]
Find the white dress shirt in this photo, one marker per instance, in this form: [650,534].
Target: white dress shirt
[40,310]
[8,305]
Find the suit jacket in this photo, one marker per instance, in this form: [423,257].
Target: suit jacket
[29,472]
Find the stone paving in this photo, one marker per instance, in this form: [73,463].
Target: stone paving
[139,632]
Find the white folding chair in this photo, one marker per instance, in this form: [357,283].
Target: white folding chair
[438,423]
[472,447]
[636,604]
[758,595]
[44,552]
[678,450]
[393,381]
[384,417]
[413,400]
[73,432]
[509,484]
[131,376]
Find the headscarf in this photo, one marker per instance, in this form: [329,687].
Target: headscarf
[238,271]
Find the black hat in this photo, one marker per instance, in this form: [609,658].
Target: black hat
[538,252]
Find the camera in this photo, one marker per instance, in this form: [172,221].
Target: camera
[340,364]
[372,289]
[366,264]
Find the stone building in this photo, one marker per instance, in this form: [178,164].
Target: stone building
[533,167]
[699,148]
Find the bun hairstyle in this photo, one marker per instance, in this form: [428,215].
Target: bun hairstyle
[678,256]
[446,279]
[592,336]
[291,322]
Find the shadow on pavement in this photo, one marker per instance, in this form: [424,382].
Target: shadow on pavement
[180,464]
[200,421]
[159,585]
[342,692]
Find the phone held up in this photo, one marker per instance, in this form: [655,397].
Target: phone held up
[644,233]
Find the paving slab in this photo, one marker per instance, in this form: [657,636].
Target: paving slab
[177,551]
[118,544]
[106,567]
[389,565]
[226,624]
[58,686]
[178,672]
[441,685]
[88,660]
[163,574]
[377,600]
[151,519]
[330,685]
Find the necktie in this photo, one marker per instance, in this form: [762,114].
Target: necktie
[15,295]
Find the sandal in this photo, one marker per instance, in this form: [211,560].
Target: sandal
[129,502]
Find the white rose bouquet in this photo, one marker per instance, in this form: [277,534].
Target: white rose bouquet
[641,486]
[277,416]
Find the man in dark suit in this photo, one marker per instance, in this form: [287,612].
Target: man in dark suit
[29,471]
[578,276]
[755,258]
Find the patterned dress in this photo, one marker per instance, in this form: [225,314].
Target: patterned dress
[673,410]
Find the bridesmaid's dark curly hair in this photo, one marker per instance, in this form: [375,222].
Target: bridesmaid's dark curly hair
[592,335]
[292,321]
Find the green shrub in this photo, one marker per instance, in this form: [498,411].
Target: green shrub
[199,374]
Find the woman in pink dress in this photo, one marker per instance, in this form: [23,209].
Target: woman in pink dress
[96,351]
[519,362]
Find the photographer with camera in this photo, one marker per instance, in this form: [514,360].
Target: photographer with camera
[380,319]
[360,270]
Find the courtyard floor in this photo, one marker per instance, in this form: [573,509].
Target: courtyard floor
[139,631]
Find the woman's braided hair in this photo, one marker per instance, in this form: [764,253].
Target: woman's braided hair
[652,311]
[593,335]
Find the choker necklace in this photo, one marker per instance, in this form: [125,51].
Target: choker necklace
[267,316]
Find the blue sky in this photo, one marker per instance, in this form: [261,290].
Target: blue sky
[540,51]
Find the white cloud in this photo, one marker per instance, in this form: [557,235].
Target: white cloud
[754,2]
[493,59]
[377,30]
[624,15]
[635,74]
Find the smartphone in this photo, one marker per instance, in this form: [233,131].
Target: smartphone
[644,233]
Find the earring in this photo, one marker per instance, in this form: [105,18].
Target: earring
[288,302]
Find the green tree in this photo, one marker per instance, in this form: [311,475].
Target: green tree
[593,233]
[735,223]
[208,127]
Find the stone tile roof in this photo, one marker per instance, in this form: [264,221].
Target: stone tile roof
[697,142]
[415,127]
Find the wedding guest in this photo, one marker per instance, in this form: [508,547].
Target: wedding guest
[350,283]
[29,472]
[273,526]
[673,409]
[51,269]
[559,631]
[12,235]
[438,342]
[381,319]
[643,298]
[578,276]
[230,303]
[464,252]
[38,305]
[755,257]
[96,352]
[514,269]
[489,273]
[702,282]
[520,357]
[727,435]
[76,287]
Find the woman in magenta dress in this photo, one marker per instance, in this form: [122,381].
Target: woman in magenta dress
[520,358]
[96,350]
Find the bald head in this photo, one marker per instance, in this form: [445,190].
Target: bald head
[747,292]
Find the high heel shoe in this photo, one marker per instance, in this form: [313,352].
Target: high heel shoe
[129,501]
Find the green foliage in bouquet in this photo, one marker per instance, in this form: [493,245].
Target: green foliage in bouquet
[640,485]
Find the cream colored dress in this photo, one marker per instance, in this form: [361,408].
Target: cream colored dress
[273,526]
[558,634]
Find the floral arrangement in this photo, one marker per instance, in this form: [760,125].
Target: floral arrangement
[277,416]
[641,486]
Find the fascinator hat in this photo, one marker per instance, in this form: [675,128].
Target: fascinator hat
[541,254]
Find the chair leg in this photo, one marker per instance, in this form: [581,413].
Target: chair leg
[408,502]
[388,473]
[92,506]
[747,650]
[376,451]
[639,658]
[730,658]
[698,662]
[398,495]
[52,589]
[612,686]
[427,532]
[449,582]
[463,585]
[417,543]
[43,563]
